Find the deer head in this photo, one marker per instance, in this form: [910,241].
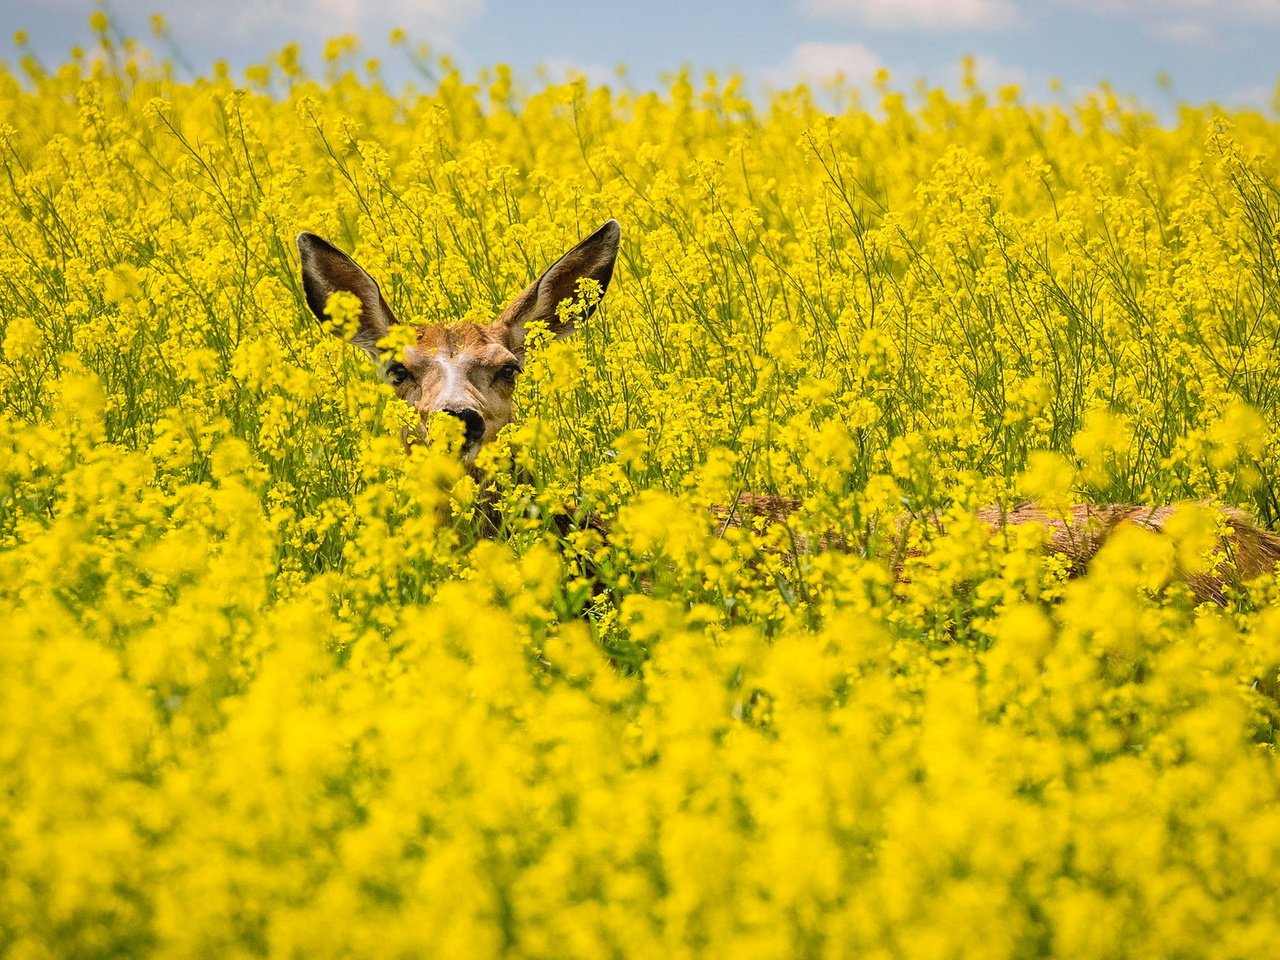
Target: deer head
[466,370]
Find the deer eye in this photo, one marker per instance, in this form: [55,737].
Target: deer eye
[507,374]
[397,373]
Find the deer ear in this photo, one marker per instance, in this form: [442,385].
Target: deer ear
[327,270]
[593,257]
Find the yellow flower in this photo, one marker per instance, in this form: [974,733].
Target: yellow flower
[1048,479]
[711,652]
[22,338]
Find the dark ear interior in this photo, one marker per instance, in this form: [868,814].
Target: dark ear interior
[594,257]
[327,270]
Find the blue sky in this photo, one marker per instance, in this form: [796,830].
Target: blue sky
[1219,50]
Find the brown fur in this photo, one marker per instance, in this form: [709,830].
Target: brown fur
[475,354]
[463,369]
[1076,534]
[458,368]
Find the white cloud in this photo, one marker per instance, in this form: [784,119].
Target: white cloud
[1234,11]
[916,14]
[818,63]
[1259,96]
[1192,23]
[990,75]
[1190,32]
[308,21]
[564,70]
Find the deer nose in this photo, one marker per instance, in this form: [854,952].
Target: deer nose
[472,423]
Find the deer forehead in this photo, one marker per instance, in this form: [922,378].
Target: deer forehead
[461,344]
[448,359]
[452,339]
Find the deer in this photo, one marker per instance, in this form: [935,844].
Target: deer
[469,371]
[464,370]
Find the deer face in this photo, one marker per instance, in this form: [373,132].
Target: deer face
[463,369]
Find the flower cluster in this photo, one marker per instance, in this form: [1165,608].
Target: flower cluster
[273,686]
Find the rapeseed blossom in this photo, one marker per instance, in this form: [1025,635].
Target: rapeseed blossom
[274,684]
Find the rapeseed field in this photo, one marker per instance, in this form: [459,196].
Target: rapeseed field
[272,685]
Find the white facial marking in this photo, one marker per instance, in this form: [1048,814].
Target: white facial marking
[453,392]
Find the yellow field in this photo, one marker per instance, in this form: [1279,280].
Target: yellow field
[266,689]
